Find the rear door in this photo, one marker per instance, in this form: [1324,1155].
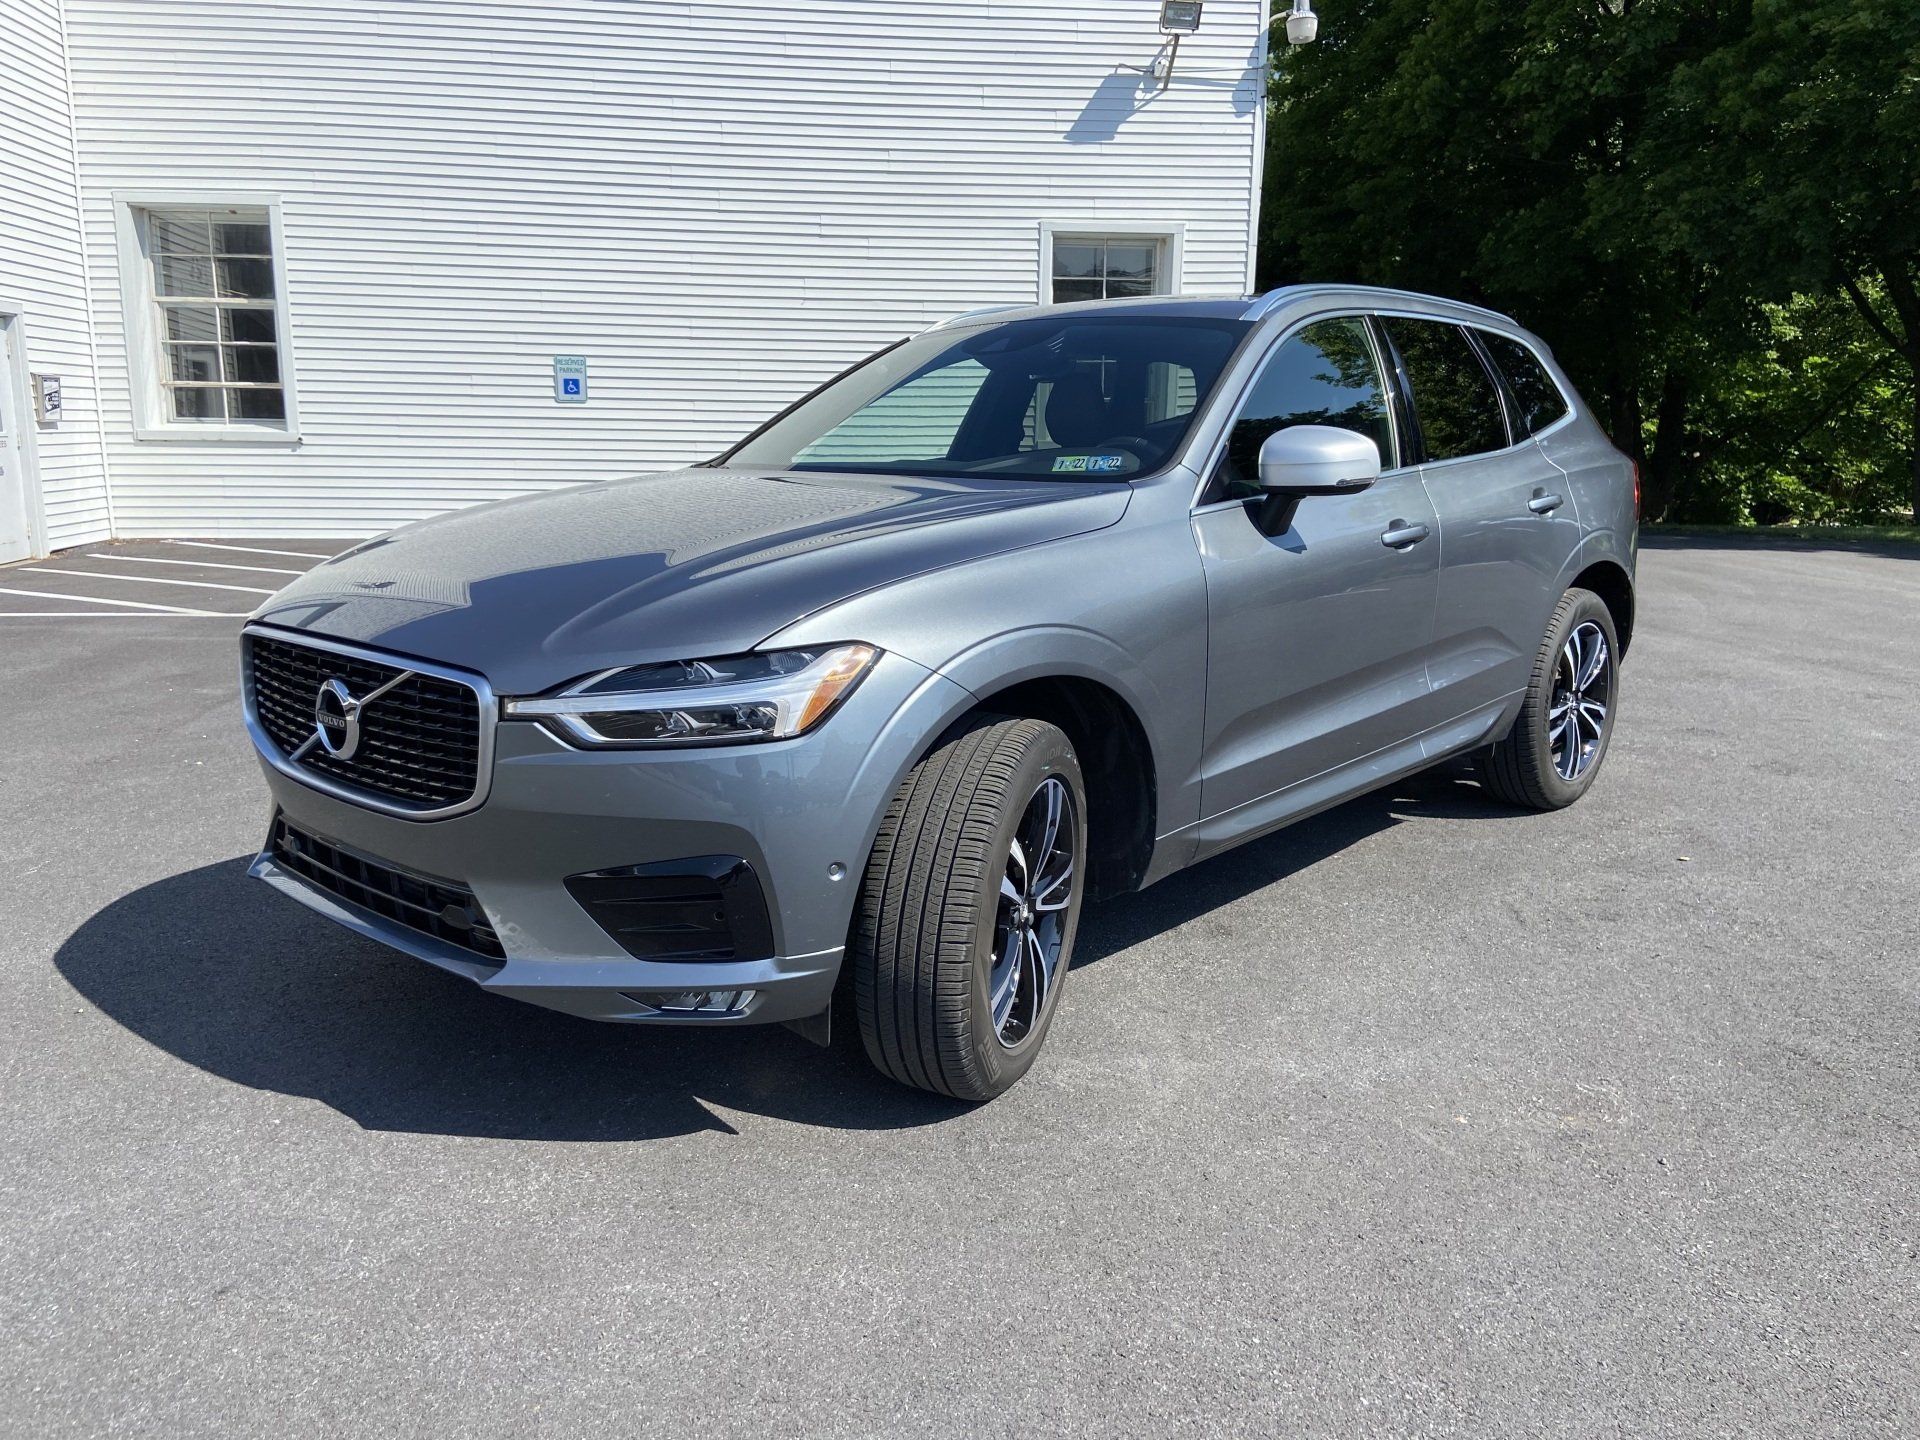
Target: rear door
[1507,524]
[1317,636]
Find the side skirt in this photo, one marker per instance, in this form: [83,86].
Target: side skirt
[1309,797]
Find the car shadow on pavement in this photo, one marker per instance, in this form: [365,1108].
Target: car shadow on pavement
[230,977]
[1446,792]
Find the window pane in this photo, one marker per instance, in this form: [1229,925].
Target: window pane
[193,362]
[1541,402]
[247,325]
[1131,260]
[253,364]
[1325,375]
[1079,261]
[196,404]
[183,275]
[248,279]
[173,233]
[192,322]
[1119,288]
[1066,290]
[257,404]
[1453,396]
[232,237]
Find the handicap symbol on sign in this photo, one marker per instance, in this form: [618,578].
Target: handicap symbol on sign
[570,385]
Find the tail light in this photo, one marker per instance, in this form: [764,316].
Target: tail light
[1636,488]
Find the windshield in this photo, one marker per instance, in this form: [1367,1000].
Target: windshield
[1067,396]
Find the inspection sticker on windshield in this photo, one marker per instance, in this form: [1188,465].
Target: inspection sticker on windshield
[1091,464]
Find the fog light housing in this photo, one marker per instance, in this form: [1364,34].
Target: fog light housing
[692,1002]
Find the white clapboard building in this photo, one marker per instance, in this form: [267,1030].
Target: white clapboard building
[319,267]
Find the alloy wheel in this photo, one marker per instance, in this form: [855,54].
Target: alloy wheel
[1582,694]
[1030,919]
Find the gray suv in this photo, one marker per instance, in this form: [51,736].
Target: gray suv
[1039,605]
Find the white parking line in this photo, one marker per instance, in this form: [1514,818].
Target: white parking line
[251,550]
[113,614]
[130,604]
[196,564]
[147,580]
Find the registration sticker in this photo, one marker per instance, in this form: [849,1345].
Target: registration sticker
[1090,464]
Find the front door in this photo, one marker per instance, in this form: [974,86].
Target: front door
[13,466]
[1318,636]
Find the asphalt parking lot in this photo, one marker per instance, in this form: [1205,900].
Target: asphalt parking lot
[1423,1117]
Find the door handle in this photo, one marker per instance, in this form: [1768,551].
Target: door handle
[1399,535]
[1543,503]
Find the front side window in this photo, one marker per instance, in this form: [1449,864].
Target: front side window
[1058,397]
[215,316]
[1538,398]
[1326,374]
[1098,267]
[1454,397]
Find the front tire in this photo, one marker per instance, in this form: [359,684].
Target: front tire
[965,923]
[1551,755]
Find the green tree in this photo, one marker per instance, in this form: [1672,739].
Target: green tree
[1594,168]
[1814,424]
[1789,159]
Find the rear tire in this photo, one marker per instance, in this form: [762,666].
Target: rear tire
[1551,755]
[956,979]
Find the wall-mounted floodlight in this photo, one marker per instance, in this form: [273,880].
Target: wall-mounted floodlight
[1179,17]
[1303,26]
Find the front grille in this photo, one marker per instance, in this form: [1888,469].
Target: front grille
[438,908]
[419,742]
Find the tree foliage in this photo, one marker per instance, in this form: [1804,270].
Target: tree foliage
[1680,195]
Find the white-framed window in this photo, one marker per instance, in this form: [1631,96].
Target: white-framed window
[204,286]
[1107,261]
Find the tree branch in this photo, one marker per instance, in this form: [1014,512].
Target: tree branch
[1906,304]
[1871,315]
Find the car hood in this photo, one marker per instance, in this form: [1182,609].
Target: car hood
[537,591]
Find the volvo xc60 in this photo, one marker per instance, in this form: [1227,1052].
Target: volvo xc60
[1038,605]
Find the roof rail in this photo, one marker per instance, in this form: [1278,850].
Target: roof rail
[977,310]
[1264,305]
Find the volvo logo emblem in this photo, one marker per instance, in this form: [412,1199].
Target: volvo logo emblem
[336,720]
[338,714]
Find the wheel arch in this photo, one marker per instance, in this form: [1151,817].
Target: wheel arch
[1608,579]
[1116,760]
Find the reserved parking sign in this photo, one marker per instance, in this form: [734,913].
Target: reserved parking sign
[569,379]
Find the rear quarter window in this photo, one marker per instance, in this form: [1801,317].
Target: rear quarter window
[1539,399]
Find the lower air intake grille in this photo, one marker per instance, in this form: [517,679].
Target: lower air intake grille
[419,742]
[706,907]
[437,908]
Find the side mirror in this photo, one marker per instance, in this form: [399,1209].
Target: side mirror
[1306,460]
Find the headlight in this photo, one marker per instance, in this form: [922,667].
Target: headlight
[771,696]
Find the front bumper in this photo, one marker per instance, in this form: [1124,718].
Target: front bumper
[793,810]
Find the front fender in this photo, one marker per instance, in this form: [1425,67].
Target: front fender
[1125,607]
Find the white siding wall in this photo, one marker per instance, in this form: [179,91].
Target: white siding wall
[40,262]
[718,204]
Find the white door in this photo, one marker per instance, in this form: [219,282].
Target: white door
[13,460]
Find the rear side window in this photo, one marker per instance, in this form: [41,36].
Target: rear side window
[1324,375]
[1454,397]
[1540,400]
